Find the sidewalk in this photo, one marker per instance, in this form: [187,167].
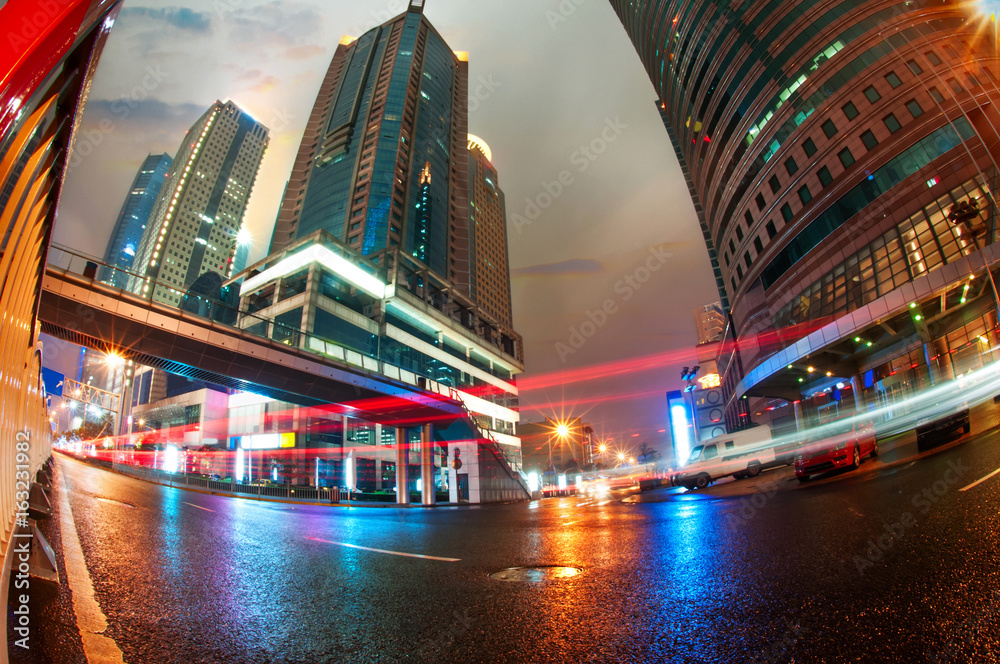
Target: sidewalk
[245,492]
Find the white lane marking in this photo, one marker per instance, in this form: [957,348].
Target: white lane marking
[115,502]
[604,503]
[198,506]
[90,620]
[980,481]
[391,553]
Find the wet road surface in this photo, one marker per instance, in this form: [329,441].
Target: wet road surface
[894,565]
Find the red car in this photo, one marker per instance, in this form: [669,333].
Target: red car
[843,444]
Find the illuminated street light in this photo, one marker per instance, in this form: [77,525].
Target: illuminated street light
[562,430]
[602,448]
[621,456]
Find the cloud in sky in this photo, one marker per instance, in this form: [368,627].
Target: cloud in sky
[571,267]
[182,18]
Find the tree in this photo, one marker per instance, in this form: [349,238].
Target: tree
[90,430]
[647,454]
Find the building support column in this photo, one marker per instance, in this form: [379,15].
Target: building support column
[859,402]
[797,407]
[402,486]
[427,465]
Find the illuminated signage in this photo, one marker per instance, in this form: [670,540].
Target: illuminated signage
[268,441]
[710,380]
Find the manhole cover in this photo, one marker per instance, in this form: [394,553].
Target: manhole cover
[535,574]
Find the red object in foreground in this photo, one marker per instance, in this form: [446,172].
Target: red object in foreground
[847,445]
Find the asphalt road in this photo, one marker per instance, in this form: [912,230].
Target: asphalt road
[897,565]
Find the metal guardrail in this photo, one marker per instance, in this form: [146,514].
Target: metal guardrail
[275,491]
[512,467]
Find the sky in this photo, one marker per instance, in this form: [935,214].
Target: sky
[606,255]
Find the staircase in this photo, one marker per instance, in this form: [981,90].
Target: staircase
[490,445]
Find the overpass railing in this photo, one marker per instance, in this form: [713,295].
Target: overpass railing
[226,312]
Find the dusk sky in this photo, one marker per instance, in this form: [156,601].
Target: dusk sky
[546,79]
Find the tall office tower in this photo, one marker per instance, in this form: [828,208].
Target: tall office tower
[133,218]
[825,146]
[490,272]
[710,321]
[383,161]
[195,224]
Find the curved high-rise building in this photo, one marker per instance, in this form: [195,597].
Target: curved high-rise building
[825,145]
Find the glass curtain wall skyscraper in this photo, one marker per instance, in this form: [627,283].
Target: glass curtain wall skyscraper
[195,224]
[825,145]
[132,219]
[383,162]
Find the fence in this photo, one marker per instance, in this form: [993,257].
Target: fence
[260,491]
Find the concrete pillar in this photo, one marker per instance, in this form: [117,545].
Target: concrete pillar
[402,490]
[427,465]
[928,349]
[859,402]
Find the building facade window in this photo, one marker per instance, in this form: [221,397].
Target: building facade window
[773,183]
[869,140]
[829,128]
[809,147]
[872,94]
[850,110]
[825,178]
[804,194]
[846,158]
[790,166]
[771,230]
[893,80]
[891,123]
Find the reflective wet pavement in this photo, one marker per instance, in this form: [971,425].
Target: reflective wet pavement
[885,566]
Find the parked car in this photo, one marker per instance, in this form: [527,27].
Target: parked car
[741,454]
[839,444]
[934,428]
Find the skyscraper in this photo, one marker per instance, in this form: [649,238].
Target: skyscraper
[195,224]
[825,147]
[369,265]
[490,272]
[383,161]
[132,219]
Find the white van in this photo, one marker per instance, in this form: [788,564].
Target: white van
[741,454]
